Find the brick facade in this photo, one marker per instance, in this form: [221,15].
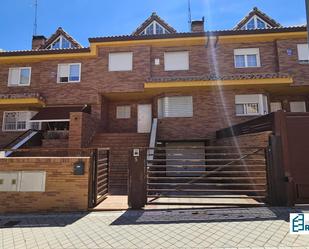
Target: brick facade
[213,108]
[82,129]
[289,64]
[55,143]
[260,139]
[210,55]
[61,186]
[124,125]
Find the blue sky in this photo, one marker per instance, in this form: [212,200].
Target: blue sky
[90,18]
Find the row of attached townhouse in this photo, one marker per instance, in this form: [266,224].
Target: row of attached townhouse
[195,83]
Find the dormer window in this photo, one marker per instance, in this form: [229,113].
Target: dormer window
[256,23]
[250,25]
[154,29]
[60,42]
[149,30]
[257,19]
[260,24]
[154,25]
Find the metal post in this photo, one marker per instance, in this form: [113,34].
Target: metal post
[307,11]
[137,193]
[276,182]
[35,25]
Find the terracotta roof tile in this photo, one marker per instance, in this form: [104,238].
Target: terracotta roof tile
[21,95]
[149,37]
[220,77]
[198,34]
[44,51]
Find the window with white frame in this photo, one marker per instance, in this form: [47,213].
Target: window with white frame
[154,28]
[303,53]
[275,106]
[60,42]
[251,104]
[123,112]
[120,61]
[19,76]
[17,120]
[247,57]
[69,73]
[180,106]
[178,60]
[298,106]
[256,23]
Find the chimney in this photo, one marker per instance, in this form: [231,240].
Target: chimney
[198,26]
[38,41]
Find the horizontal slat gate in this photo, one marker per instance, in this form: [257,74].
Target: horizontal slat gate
[100,175]
[212,172]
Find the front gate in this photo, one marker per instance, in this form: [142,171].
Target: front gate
[99,176]
[287,155]
[198,172]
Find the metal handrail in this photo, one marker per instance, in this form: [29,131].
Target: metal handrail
[17,138]
[153,139]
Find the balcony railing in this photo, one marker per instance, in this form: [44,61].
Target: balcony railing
[56,134]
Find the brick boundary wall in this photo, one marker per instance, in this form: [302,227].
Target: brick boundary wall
[54,143]
[64,191]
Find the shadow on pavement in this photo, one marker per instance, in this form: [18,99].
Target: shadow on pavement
[131,217]
[40,220]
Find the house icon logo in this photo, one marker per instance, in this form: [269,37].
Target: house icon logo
[299,223]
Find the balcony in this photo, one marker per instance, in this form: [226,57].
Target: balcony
[21,100]
[219,80]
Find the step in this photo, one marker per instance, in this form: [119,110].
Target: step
[204,190]
[208,166]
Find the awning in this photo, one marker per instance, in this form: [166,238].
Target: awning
[58,114]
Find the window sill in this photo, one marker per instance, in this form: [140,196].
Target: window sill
[173,117]
[70,82]
[247,67]
[303,62]
[176,70]
[248,115]
[120,71]
[18,85]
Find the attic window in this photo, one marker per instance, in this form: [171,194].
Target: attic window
[256,23]
[60,42]
[154,29]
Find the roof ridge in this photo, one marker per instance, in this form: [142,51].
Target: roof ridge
[206,33]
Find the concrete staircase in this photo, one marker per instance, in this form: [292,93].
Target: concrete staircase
[119,143]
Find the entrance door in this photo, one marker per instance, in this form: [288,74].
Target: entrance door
[144,117]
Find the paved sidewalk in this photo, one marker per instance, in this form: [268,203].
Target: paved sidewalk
[205,228]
